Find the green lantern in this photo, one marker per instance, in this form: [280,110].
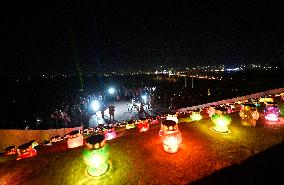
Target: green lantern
[95,155]
[221,121]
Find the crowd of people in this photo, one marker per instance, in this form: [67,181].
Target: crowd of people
[75,110]
[58,103]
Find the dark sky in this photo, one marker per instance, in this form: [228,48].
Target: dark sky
[65,36]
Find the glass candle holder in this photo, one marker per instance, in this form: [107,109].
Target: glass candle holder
[75,139]
[221,121]
[109,133]
[249,114]
[130,124]
[95,155]
[143,125]
[170,136]
[271,112]
[195,115]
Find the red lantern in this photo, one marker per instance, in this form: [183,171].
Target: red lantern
[143,125]
[27,150]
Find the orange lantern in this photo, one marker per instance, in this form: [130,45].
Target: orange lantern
[249,114]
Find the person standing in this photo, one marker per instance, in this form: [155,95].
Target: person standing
[103,111]
[111,112]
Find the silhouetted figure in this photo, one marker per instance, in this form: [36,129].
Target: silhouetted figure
[111,112]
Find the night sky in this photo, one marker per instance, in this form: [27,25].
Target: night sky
[96,36]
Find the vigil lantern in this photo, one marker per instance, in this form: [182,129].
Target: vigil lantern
[207,112]
[143,125]
[211,110]
[249,114]
[221,120]
[75,139]
[11,150]
[172,117]
[130,124]
[170,135]
[95,155]
[271,112]
[195,115]
[27,150]
[109,132]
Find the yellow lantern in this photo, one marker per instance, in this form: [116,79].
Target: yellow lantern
[75,139]
[195,115]
[249,114]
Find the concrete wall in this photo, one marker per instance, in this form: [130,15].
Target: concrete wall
[18,137]
[241,98]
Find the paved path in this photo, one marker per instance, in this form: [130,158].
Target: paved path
[122,112]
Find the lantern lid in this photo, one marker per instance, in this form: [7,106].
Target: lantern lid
[74,132]
[169,123]
[24,146]
[46,142]
[9,148]
[196,110]
[249,105]
[130,122]
[96,141]
[108,127]
[221,110]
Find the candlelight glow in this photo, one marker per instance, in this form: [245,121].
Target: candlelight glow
[170,136]
[95,155]
[271,112]
[170,144]
[249,114]
[143,125]
[271,117]
[221,122]
[195,116]
[172,117]
[110,133]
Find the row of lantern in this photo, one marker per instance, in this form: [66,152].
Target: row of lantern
[25,150]
[75,138]
[248,113]
[95,153]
